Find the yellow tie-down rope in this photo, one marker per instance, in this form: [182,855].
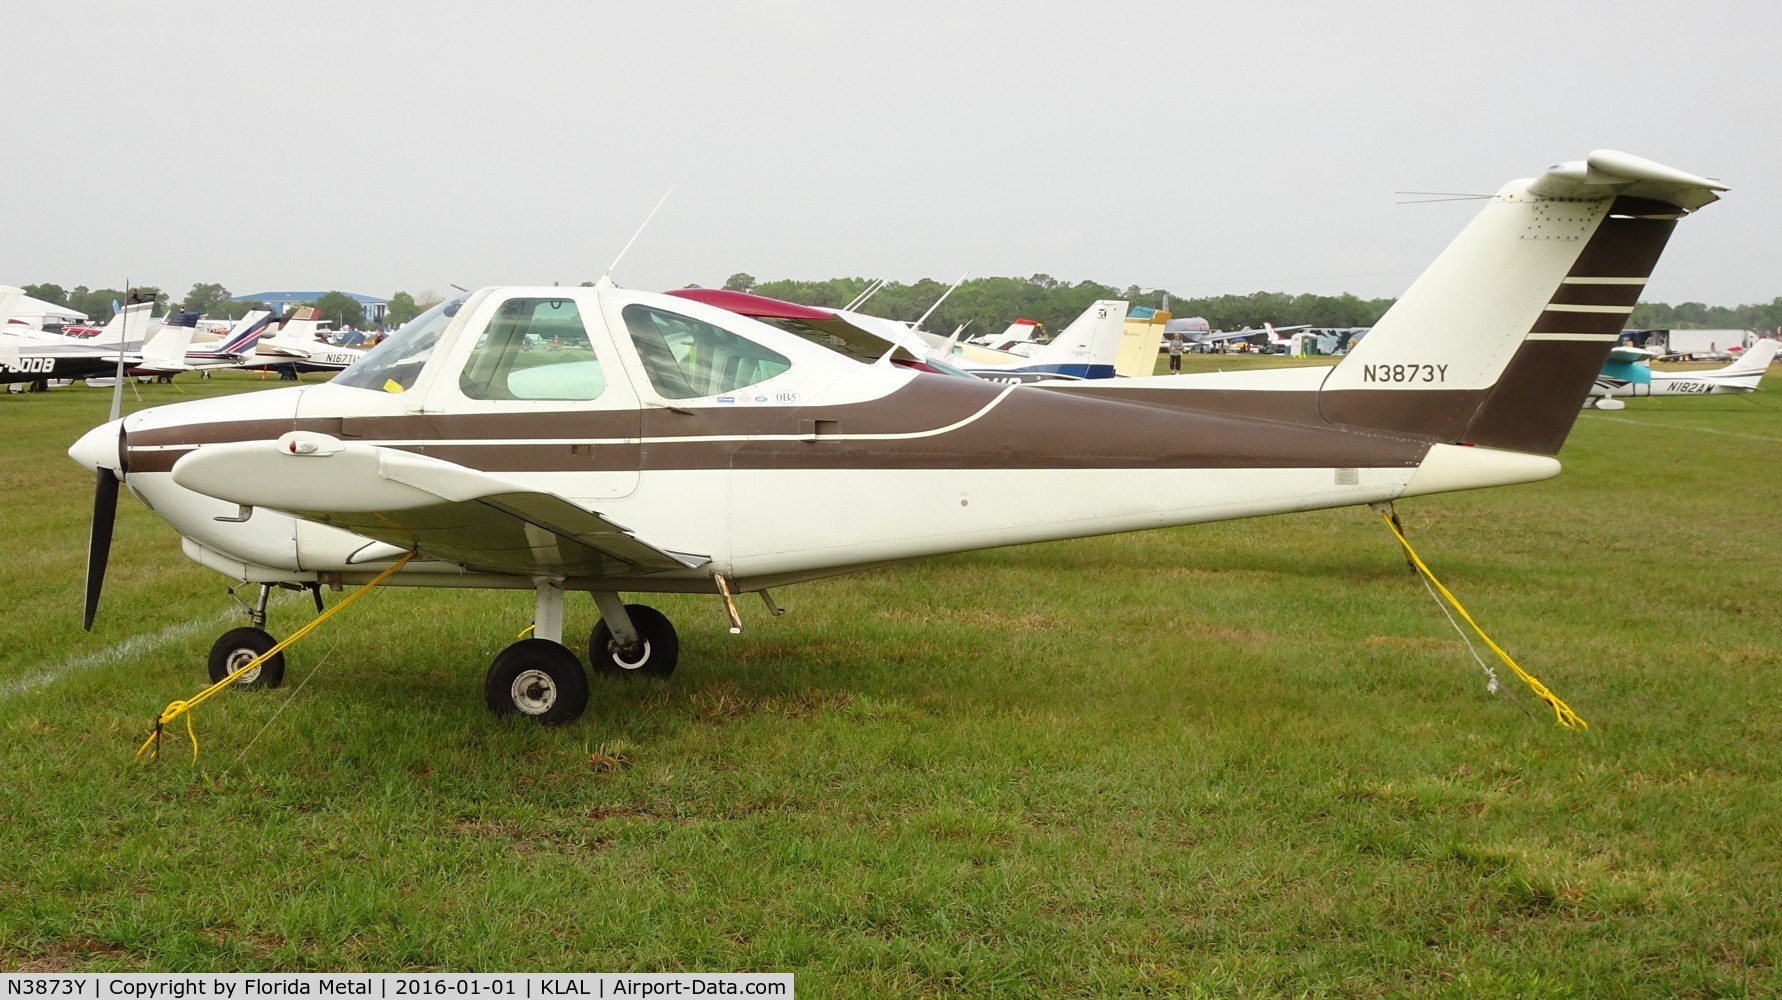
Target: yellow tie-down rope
[178,708]
[1562,712]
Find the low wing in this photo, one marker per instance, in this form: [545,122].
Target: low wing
[441,510]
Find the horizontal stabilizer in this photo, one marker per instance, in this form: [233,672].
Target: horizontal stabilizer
[1608,173]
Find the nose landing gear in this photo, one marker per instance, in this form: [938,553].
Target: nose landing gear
[235,648]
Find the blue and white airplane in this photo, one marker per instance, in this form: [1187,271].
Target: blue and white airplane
[1628,372]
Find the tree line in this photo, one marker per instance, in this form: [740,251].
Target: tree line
[1696,316]
[989,304]
[986,304]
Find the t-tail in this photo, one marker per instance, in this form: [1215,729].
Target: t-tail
[1499,342]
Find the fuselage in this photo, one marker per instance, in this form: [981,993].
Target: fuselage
[816,464]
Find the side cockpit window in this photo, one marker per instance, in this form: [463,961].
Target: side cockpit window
[533,348]
[686,358]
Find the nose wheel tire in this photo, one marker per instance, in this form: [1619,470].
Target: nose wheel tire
[539,679]
[655,654]
[236,648]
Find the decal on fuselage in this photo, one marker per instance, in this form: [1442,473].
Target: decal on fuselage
[40,365]
[1404,373]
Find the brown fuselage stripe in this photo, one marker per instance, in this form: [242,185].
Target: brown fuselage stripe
[1027,430]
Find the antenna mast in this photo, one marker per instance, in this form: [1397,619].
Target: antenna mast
[615,264]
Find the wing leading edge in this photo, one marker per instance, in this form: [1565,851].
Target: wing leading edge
[441,510]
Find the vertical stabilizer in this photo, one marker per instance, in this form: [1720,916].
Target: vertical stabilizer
[1088,347]
[1500,340]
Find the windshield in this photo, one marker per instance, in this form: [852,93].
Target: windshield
[393,365]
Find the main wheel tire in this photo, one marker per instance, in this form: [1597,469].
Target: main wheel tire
[539,679]
[655,656]
[236,647]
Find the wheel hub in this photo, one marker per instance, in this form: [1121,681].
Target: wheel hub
[631,657]
[241,658]
[534,692]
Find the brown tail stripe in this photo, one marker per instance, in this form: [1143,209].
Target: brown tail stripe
[1593,296]
[1555,321]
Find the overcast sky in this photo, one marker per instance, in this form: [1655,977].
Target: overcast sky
[1206,148]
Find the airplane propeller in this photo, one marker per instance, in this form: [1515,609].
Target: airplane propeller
[105,496]
[105,509]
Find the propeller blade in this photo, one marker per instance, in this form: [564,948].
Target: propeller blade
[105,509]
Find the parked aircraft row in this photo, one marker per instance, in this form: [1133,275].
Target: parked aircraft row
[32,355]
[673,444]
[164,348]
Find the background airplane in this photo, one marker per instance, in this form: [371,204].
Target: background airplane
[37,356]
[1088,348]
[299,344]
[1020,337]
[235,345]
[1628,372]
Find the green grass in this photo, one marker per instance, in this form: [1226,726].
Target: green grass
[1248,758]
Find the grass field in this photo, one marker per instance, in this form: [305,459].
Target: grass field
[1249,758]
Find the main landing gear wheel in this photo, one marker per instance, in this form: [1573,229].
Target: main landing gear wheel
[239,645]
[653,656]
[537,678]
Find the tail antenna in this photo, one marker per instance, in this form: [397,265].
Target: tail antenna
[614,266]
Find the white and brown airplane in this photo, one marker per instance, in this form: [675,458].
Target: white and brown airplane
[603,440]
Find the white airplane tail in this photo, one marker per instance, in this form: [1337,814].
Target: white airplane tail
[1088,347]
[130,322]
[167,348]
[9,348]
[246,332]
[1020,331]
[1500,340]
[1751,366]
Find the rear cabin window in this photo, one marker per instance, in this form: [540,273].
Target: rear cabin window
[533,349]
[686,358]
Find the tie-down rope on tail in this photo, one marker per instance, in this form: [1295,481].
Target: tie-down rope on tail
[178,708]
[1561,711]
